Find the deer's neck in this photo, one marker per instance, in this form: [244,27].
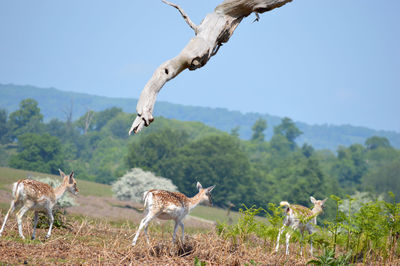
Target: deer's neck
[60,190]
[315,212]
[193,202]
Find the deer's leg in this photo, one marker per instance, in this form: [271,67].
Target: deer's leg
[175,229]
[183,230]
[287,242]
[310,231]
[20,214]
[144,223]
[12,208]
[35,221]
[51,221]
[279,237]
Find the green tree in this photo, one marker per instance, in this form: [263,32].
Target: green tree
[153,149]
[235,131]
[288,129]
[211,160]
[119,125]
[375,142]
[27,119]
[384,178]
[280,146]
[42,153]
[103,117]
[258,130]
[350,167]
[307,150]
[3,126]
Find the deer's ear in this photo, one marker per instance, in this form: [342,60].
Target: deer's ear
[199,186]
[61,173]
[313,200]
[209,189]
[323,202]
[71,177]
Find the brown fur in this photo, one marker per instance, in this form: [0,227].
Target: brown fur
[301,210]
[35,190]
[164,198]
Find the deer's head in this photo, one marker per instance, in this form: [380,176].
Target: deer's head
[69,182]
[205,193]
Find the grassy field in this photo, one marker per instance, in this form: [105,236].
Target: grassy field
[86,188]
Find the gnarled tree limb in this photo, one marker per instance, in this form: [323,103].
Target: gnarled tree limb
[185,17]
[215,29]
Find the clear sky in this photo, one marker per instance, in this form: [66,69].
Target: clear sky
[315,61]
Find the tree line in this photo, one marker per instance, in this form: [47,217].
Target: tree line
[254,172]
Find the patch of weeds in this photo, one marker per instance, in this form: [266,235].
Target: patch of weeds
[198,262]
[328,258]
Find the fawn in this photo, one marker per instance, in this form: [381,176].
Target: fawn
[302,218]
[32,194]
[168,205]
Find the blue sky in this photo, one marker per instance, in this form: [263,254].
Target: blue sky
[315,61]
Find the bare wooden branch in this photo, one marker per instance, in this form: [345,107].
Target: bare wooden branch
[185,17]
[215,29]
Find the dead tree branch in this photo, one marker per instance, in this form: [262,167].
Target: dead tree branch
[185,17]
[215,29]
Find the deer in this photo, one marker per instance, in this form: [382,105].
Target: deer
[302,218]
[40,197]
[167,205]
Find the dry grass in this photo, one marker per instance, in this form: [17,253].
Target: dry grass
[91,241]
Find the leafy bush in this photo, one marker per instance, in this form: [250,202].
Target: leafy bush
[132,185]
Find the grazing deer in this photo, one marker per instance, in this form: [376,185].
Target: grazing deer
[302,218]
[32,194]
[167,205]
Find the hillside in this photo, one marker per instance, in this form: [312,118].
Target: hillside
[54,103]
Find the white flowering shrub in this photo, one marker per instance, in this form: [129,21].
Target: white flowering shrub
[66,200]
[132,185]
[357,201]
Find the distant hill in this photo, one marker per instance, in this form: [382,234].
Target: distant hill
[54,104]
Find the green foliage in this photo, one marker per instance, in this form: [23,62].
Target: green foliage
[328,258]
[289,130]
[252,172]
[258,130]
[3,127]
[152,151]
[198,262]
[376,142]
[384,178]
[27,119]
[212,160]
[370,232]
[350,166]
[60,219]
[246,225]
[41,153]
